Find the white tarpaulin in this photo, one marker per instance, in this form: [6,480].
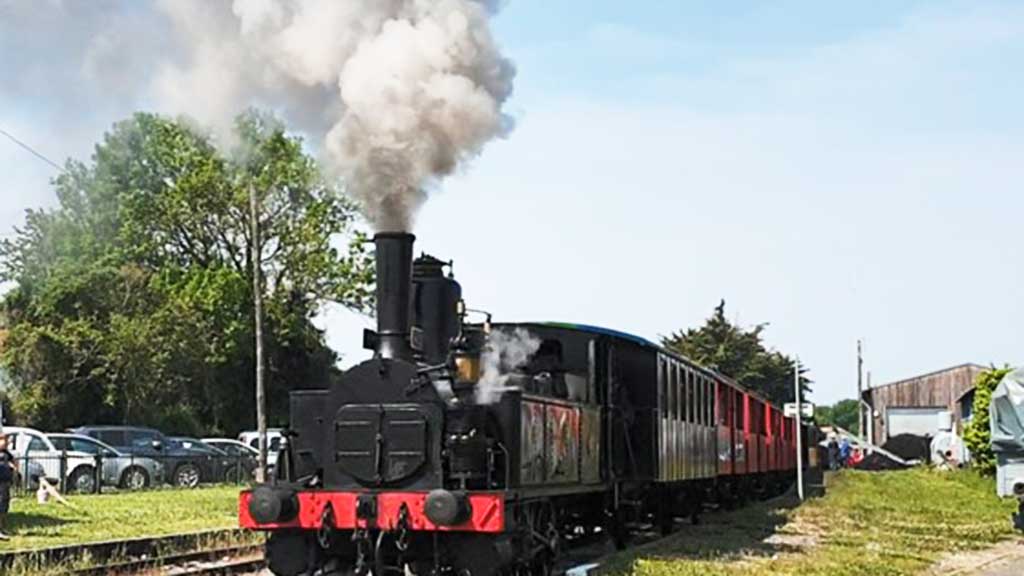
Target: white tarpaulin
[1006,414]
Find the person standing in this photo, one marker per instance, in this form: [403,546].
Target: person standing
[8,467]
[844,452]
[833,453]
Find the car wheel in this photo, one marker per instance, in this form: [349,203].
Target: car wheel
[231,475]
[135,478]
[186,476]
[82,480]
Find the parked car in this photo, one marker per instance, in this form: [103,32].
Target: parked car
[185,468]
[29,445]
[229,468]
[35,472]
[275,436]
[245,457]
[119,469]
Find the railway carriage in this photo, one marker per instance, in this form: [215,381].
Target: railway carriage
[439,455]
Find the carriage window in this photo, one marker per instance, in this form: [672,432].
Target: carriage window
[724,413]
[663,387]
[711,402]
[673,390]
[705,407]
[680,373]
[705,400]
[701,399]
[708,402]
[698,412]
[737,409]
[689,396]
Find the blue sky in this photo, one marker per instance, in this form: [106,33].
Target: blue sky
[838,171]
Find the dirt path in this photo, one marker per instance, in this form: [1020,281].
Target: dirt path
[1005,559]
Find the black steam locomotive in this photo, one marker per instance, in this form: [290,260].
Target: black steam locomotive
[407,466]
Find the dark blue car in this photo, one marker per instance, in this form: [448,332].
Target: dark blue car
[184,467]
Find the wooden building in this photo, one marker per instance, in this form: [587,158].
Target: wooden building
[914,405]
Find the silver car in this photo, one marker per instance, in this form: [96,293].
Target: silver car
[119,469]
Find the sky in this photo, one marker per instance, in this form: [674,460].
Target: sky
[839,172]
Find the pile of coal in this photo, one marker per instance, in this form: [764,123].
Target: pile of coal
[909,446]
[877,461]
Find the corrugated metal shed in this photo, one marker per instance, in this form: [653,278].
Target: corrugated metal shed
[937,390]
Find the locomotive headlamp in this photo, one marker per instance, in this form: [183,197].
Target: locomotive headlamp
[446,508]
[467,367]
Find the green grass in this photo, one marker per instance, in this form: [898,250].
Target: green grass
[119,516]
[869,524]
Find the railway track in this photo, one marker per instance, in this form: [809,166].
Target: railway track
[209,552]
[225,560]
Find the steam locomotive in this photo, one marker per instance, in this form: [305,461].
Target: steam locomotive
[405,467]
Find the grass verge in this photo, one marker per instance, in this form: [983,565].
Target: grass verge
[103,517]
[869,524]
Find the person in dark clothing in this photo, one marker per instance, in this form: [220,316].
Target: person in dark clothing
[8,467]
[833,454]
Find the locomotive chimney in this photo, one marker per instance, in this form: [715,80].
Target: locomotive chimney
[394,285]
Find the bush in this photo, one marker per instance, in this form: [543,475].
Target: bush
[977,435]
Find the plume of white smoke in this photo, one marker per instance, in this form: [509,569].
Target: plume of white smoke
[396,94]
[504,352]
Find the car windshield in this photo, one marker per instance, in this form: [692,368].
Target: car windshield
[273,444]
[195,445]
[87,445]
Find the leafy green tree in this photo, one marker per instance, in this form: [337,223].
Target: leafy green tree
[977,433]
[740,354]
[132,299]
[843,414]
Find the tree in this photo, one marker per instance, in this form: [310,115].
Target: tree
[843,414]
[977,433]
[739,354]
[132,299]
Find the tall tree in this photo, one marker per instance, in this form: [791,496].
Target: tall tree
[739,354]
[132,299]
[843,414]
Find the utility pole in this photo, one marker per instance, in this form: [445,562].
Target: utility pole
[860,391]
[869,417]
[799,431]
[257,299]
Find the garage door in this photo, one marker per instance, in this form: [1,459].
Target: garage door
[919,421]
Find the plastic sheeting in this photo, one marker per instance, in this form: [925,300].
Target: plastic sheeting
[1006,414]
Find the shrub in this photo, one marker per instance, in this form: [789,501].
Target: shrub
[977,435]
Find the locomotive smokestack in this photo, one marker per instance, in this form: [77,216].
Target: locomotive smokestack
[394,286]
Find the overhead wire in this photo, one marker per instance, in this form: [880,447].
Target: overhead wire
[31,150]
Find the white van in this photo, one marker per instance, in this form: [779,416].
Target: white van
[274,439]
